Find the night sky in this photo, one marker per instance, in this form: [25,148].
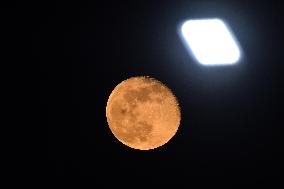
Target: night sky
[231,121]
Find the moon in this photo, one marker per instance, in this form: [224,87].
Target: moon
[143,113]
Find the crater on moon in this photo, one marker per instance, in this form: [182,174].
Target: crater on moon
[142,113]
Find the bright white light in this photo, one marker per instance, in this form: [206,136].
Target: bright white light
[211,41]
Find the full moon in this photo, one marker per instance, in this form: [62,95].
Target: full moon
[143,113]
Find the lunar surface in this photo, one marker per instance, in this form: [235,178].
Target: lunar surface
[142,113]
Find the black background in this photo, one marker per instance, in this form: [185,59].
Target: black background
[231,121]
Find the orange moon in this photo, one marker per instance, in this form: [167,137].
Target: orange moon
[143,113]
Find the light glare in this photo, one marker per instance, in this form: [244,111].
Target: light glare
[210,41]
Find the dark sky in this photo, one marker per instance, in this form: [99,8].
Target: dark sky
[231,121]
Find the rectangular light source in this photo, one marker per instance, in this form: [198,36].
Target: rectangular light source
[211,41]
